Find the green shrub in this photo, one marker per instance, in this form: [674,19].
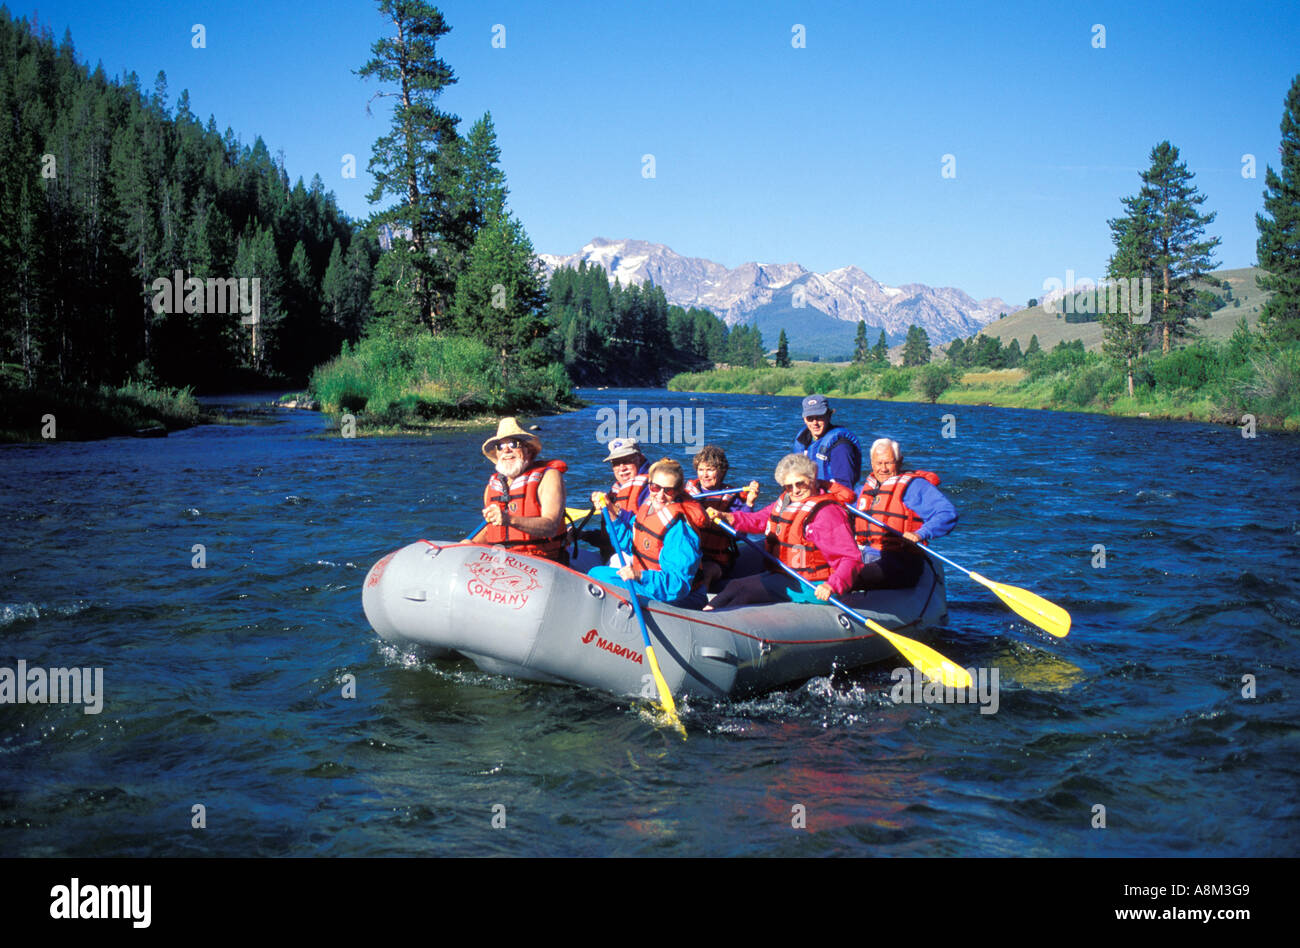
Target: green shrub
[1191,368]
[894,382]
[933,380]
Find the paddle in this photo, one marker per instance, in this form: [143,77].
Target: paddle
[933,665]
[581,513]
[477,530]
[665,696]
[1029,606]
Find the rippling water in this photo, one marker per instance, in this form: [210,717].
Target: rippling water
[223,685]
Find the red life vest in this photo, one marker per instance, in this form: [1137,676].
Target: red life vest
[629,495]
[715,543]
[885,503]
[519,496]
[787,526]
[652,526]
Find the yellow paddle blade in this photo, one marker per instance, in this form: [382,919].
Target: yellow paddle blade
[576,513]
[1046,615]
[665,696]
[933,665]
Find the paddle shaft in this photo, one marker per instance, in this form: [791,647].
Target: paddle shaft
[884,526]
[665,696]
[931,663]
[811,585]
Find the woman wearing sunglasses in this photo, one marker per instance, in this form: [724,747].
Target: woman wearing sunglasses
[661,542]
[807,530]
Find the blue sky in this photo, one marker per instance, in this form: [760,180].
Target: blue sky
[829,155]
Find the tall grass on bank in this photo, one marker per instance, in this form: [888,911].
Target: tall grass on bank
[85,413]
[1206,381]
[398,381]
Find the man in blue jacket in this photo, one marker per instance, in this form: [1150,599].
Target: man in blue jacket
[835,450]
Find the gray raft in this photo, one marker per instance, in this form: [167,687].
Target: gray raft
[531,618]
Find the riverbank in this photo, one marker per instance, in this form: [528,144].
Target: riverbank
[86,414]
[1205,382]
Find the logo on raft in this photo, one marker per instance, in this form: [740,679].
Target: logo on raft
[622,651]
[502,579]
[377,571]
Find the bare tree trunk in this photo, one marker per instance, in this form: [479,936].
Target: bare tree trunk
[1164,304]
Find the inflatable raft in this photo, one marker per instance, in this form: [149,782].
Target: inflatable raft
[533,619]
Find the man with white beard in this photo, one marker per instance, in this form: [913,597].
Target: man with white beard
[523,502]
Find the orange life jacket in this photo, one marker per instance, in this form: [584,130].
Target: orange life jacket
[652,526]
[519,496]
[715,543]
[628,495]
[885,503]
[787,527]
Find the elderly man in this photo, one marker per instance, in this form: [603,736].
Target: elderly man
[523,502]
[807,530]
[912,504]
[835,450]
[662,541]
[631,475]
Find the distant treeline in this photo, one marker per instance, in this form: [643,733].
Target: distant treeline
[631,336]
[107,190]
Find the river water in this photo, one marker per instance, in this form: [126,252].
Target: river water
[222,688]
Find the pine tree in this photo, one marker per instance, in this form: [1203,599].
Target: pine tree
[1125,332]
[916,348]
[1012,356]
[861,352]
[783,352]
[1278,246]
[880,351]
[403,161]
[1033,349]
[500,296]
[1164,226]
[956,352]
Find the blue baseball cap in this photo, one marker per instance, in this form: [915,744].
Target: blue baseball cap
[814,405]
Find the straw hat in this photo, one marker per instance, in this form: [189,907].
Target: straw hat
[508,428]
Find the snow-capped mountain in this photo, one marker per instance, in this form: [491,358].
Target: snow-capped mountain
[767,294]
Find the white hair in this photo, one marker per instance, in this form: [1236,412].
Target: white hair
[795,464]
[886,443]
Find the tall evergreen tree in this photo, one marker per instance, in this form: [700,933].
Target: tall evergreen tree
[1165,214]
[500,296]
[783,352]
[1125,332]
[403,161]
[916,348]
[861,351]
[880,351]
[1278,246]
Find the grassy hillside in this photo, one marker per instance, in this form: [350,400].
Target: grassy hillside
[1052,329]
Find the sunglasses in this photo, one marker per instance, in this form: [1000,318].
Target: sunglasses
[798,485]
[510,445]
[657,488]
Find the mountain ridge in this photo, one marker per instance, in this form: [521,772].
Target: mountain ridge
[819,311]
